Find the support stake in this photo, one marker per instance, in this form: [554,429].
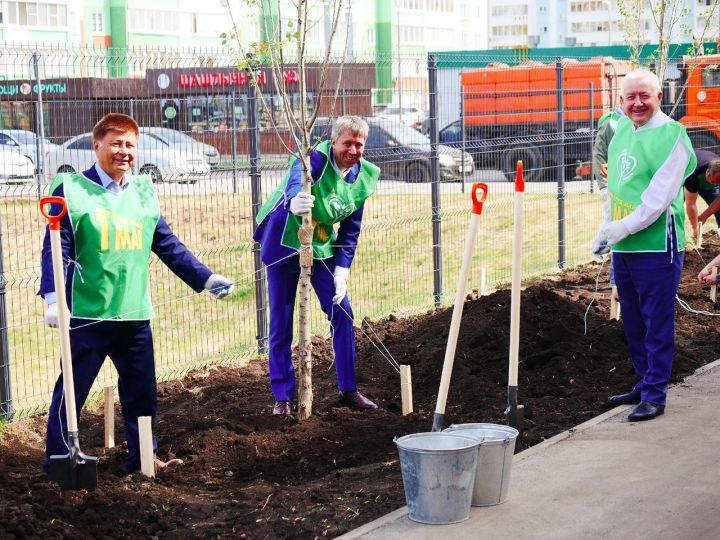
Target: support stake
[713,287]
[699,235]
[406,390]
[147,459]
[483,281]
[614,304]
[109,408]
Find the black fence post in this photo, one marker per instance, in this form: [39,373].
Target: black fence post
[435,178]
[560,160]
[39,126]
[233,141]
[6,405]
[592,134]
[256,190]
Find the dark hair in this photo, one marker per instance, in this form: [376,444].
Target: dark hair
[114,122]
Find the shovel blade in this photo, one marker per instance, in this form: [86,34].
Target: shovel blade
[515,416]
[73,473]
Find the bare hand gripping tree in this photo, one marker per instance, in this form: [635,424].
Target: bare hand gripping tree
[283,48]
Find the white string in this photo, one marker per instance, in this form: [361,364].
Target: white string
[386,355]
[597,286]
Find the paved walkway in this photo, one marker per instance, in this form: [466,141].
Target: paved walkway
[605,479]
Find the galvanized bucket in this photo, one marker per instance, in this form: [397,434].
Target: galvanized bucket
[438,471]
[495,455]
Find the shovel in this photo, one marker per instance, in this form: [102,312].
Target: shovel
[479,194]
[74,470]
[515,413]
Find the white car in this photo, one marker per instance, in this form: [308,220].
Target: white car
[174,137]
[410,116]
[163,162]
[14,167]
[25,142]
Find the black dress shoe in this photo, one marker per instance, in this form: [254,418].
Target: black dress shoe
[646,411]
[355,400]
[282,407]
[631,398]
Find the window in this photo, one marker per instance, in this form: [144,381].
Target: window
[97,23]
[711,76]
[146,20]
[36,14]
[83,143]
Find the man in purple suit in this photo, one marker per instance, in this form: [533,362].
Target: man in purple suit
[342,181]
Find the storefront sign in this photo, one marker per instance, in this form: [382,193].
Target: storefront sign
[26,88]
[231,78]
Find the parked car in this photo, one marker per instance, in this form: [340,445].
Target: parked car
[163,162]
[15,168]
[410,116]
[25,142]
[404,154]
[174,137]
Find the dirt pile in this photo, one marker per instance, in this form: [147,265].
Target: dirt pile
[249,474]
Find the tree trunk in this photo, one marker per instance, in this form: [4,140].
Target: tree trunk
[305,234]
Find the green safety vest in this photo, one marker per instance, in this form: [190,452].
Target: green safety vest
[612,117]
[335,200]
[633,159]
[113,240]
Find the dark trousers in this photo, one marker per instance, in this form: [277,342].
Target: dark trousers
[129,345]
[282,288]
[647,284]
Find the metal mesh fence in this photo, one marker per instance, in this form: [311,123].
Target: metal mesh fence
[196,132]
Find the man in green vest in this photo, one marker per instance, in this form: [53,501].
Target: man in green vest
[649,158]
[342,181]
[112,225]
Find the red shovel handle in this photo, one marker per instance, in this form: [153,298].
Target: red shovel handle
[519,178]
[478,200]
[53,220]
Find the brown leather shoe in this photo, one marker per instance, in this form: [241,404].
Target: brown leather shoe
[355,400]
[282,407]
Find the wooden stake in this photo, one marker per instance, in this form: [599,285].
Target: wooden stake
[109,417]
[713,287]
[483,281]
[406,390]
[699,235]
[614,304]
[147,459]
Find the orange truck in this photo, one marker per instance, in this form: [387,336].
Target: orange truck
[511,113]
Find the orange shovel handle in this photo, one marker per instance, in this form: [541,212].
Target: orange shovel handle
[53,220]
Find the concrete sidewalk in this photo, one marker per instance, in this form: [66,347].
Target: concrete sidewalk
[605,479]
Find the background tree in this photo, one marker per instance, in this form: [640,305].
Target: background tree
[283,47]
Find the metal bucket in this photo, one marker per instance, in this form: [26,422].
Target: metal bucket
[438,471]
[495,455]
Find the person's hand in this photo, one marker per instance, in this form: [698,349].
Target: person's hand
[340,276]
[604,170]
[705,276]
[600,245]
[51,315]
[615,231]
[301,203]
[219,286]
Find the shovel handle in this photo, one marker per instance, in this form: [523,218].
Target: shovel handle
[479,194]
[53,220]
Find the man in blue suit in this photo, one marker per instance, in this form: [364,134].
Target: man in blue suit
[112,225]
[342,181]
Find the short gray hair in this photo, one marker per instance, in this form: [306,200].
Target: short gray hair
[641,74]
[349,124]
[714,167]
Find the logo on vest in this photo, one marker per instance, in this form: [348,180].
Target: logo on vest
[626,165]
[338,208]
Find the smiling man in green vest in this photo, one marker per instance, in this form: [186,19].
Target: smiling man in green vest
[649,158]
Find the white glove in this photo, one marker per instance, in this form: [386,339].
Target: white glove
[51,315]
[301,203]
[219,286]
[600,245]
[615,231]
[340,279]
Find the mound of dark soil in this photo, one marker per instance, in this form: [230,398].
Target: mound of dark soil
[249,474]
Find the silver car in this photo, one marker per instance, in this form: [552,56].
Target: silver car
[164,163]
[25,142]
[15,168]
[174,137]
